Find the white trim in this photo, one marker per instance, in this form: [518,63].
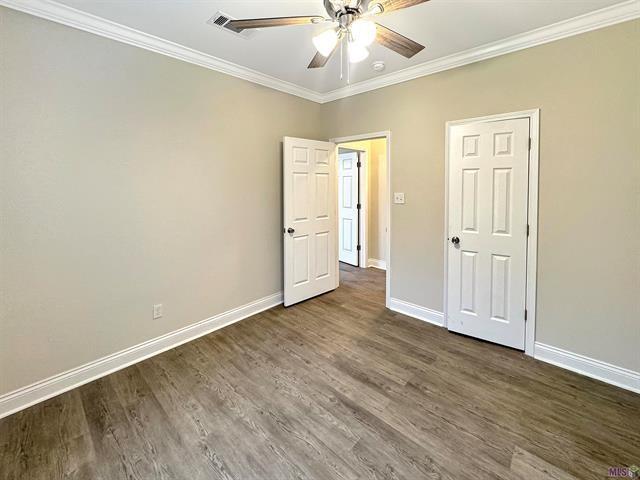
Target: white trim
[37,392]
[363,198]
[370,136]
[445,239]
[376,263]
[532,239]
[604,17]
[532,214]
[56,12]
[416,311]
[605,372]
[59,13]
[581,364]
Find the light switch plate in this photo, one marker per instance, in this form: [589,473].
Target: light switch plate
[398,198]
[157,311]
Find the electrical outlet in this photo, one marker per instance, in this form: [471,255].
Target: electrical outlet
[398,198]
[157,311]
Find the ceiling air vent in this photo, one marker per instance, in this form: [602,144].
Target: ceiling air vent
[221,20]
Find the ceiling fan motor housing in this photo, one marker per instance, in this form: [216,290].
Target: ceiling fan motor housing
[338,9]
[346,19]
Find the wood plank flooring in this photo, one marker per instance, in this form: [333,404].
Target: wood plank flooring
[335,388]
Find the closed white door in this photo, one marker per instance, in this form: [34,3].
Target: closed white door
[488,188]
[310,221]
[348,201]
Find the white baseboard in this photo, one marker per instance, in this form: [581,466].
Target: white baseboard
[37,392]
[416,311]
[605,372]
[375,263]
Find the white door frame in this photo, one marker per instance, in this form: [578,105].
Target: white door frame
[532,215]
[363,199]
[386,134]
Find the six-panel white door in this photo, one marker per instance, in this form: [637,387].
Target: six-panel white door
[310,224]
[488,187]
[348,208]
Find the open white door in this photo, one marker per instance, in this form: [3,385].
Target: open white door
[348,201]
[310,220]
[487,259]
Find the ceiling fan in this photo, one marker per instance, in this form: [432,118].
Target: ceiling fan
[350,21]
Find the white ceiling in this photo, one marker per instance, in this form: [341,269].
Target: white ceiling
[444,26]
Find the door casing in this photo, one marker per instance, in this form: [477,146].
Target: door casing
[532,216]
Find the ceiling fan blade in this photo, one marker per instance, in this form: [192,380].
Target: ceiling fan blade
[319,60]
[391,5]
[396,42]
[240,25]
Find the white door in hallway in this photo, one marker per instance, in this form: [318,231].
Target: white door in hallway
[310,220]
[487,248]
[348,201]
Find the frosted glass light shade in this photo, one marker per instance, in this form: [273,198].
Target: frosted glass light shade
[375,8]
[325,42]
[363,32]
[357,52]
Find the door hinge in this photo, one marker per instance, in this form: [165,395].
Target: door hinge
[359,164]
[359,206]
[359,247]
[529,143]
[525,314]
[527,229]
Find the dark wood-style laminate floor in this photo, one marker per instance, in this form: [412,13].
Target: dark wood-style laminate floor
[335,388]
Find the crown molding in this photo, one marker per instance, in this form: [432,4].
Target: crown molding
[59,13]
[604,17]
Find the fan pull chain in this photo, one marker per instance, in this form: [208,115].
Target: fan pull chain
[341,57]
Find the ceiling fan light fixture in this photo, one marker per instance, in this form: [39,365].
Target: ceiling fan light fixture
[363,32]
[325,42]
[357,52]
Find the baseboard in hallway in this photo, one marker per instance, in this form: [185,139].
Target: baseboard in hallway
[376,263]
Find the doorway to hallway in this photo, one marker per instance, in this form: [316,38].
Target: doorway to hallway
[362,202]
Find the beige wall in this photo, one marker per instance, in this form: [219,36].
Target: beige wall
[376,150]
[587,88]
[128,178]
